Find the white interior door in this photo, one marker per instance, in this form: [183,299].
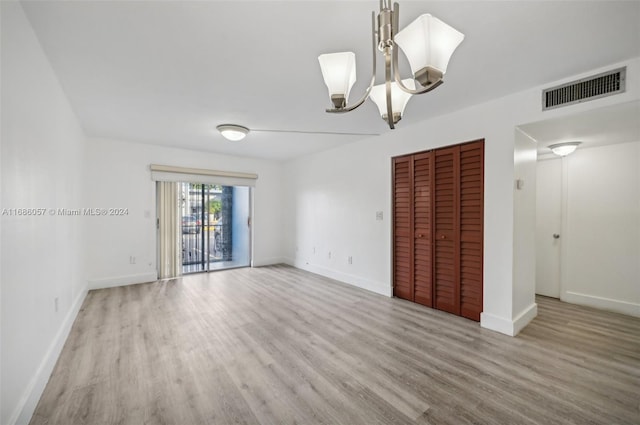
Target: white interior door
[548,227]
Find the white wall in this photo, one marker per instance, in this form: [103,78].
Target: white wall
[332,209]
[332,198]
[42,256]
[119,177]
[600,258]
[524,230]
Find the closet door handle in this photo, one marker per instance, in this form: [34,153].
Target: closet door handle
[556,236]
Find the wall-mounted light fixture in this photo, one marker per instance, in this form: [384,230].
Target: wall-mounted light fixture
[564,149]
[428,44]
[233,132]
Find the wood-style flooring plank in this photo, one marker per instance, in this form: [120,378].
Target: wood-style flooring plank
[278,345]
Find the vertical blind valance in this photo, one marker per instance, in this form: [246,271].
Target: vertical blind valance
[168,173]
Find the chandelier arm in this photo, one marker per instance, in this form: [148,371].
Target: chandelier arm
[373,74]
[395,19]
[388,68]
[387,79]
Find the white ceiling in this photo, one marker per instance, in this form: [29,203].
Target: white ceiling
[604,126]
[167,73]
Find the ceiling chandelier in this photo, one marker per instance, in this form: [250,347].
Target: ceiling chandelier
[428,44]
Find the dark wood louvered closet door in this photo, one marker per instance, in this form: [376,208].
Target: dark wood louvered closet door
[437,231]
[402,225]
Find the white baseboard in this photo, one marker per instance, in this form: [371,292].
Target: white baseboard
[507,326]
[111,282]
[268,261]
[496,323]
[382,288]
[524,318]
[617,306]
[29,400]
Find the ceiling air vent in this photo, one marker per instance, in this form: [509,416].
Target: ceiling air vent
[593,87]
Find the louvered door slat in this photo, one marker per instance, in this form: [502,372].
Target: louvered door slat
[402,228]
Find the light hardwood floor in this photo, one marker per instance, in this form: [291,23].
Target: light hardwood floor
[277,345]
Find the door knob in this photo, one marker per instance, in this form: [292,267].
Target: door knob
[556,236]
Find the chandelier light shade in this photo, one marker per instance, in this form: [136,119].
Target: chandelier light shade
[428,44]
[399,99]
[339,73]
[564,149]
[233,132]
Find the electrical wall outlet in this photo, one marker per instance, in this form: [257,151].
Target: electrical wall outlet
[378,215]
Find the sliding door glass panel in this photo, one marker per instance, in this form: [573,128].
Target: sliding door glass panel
[215,227]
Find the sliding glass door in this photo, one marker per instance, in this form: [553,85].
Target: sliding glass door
[215,226]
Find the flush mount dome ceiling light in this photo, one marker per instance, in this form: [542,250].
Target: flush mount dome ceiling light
[428,44]
[564,149]
[233,132]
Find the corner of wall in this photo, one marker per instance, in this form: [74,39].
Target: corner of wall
[496,323]
[377,287]
[524,318]
[132,279]
[269,261]
[29,400]
[507,326]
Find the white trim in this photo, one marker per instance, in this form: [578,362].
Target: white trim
[507,326]
[624,307]
[132,279]
[496,323]
[382,288]
[29,400]
[524,318]
[268,262]
[169,173]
